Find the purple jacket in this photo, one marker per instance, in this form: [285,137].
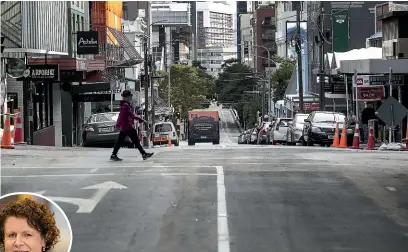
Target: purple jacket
[126,117]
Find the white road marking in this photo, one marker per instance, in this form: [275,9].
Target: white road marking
[104,166]
[94,170]
[106,174]
[222,218]
[392,189]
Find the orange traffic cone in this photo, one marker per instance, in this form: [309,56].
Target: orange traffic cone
[371,139]
[168,142]
[18,130]
[336,140]
[6,139]
[343,139]
[356,139]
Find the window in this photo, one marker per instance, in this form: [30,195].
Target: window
[77,3]
[328,117]
[164,127]
[83,24]
[82,4]
[103,117]
[78,24]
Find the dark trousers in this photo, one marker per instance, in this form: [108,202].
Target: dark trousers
[132,134]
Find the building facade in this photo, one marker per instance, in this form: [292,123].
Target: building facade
[212,58]
[246,32]
[242,8]
[264,27]
[40,30]
[215,24]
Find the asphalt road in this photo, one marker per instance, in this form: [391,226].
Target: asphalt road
[222,198]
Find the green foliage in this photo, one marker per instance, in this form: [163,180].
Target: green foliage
[233,86]
[190,86]
[280,78]
[250,109]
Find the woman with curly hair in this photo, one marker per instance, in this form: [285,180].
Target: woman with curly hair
[27,226]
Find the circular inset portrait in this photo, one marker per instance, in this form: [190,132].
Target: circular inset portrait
[30,222]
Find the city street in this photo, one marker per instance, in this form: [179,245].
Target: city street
[223,198]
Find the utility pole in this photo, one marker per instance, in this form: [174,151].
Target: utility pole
[322,77]
[152,89]
[146,89]
[299,60]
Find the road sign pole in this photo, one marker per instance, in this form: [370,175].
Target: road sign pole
[391,128]
[356,92]
[347,95]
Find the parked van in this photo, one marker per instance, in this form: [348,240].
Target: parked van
[162,131]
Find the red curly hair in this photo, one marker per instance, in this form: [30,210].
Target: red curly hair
[38,216]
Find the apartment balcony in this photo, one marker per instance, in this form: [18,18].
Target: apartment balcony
[269,25]
[268,37]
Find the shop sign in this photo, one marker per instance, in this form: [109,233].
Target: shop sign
[369,93]
[87,42]
[309,106]
[396,80]
[42,72]
[15,68]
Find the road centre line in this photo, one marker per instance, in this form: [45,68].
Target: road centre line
[222,217]
[106,174]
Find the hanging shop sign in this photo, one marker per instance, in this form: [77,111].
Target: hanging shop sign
[87,42]
[15,68]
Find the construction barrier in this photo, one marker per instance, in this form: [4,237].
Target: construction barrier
[371,135]
[6,138]
[356,138]
[343,139]
[336,139]
[18,129]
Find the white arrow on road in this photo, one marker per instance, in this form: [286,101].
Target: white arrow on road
[88,205]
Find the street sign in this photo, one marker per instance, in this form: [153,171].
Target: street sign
[369,93]
[392,112]
[396,79]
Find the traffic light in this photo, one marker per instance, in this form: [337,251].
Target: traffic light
[2,46]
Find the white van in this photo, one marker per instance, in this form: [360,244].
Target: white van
[162,131]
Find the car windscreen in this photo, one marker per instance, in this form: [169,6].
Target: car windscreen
[301,118]
[284,123]
[328,118]
[103,117]
[164,127]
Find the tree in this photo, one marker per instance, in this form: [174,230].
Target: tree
[189,87]
[280,78]
[234,85]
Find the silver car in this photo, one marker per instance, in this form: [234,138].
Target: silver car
[100,129]
[295,129]
[278,130]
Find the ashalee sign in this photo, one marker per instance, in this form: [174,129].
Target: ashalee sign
[87,42]
[42,72]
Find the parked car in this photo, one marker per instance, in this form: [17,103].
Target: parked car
[320,126]
[278,131]
[295,129]
[262,133]
[99,129]
[162,131]
[241,138]
[253,136]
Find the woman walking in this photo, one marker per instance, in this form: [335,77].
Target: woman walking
[125,124]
